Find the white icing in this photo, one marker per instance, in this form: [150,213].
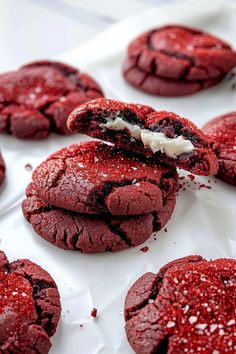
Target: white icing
[120,124]
[155,141]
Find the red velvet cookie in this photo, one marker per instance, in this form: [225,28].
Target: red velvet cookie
[2,169]
[188,307]
[29,307]
[222,134]
[37,99]
[161,136]
[93,178]
[176,60]
[88,233]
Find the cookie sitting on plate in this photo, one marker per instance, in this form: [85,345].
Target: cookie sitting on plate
[176,60]
[37,98]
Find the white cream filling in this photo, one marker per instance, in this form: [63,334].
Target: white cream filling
[155,141]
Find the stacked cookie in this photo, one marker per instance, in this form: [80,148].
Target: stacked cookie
[176,61]
[92,197]
[97,197]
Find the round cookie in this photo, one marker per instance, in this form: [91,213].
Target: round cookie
[37,99]
[222,134]
[176,60]
[29,307]
[93,178]
[188,307]
[161,136]
[88,233]
[2,169]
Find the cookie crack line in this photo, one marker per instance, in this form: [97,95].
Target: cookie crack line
[38,287]
[77,235]
[95,178]
[117,231]
[74,231]
[37,98]
[34,304]
[227,159]
[176,61]
[175,316]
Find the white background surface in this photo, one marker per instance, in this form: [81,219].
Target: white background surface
[204,222]
[32,29]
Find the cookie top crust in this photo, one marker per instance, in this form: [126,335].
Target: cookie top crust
[37,98]
[29,307]
[187,307]
[182,53]
[177,61]
[93,177]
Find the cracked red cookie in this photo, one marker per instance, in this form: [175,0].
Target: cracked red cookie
[188,307]
[221,131]
[2,169]
[176,60]
[29,307]
[37,99]
[161,136]
[89,233]
[93,178]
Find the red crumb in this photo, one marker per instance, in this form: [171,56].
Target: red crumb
[165,229]
[181,177]
[144,249]
[204,186]
[28,167]
[191,177]
[81,326]
[199,186]
[94,312]
[155,238]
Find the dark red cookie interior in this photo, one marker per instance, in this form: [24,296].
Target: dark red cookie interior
[2,169]
[91,117]
[88,233]
[222,134]
[29,307]
[187,307]
[93,177]
[177,60]
[38,98]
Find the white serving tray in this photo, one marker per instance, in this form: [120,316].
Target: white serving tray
[204,221]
